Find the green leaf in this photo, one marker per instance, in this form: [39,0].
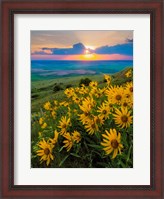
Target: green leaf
[61,148]
[74,154]
[122,164]
[128,156]
[95,146]
[63,160]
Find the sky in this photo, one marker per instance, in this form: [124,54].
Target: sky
[82,45]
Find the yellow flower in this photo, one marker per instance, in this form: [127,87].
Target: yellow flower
[76,99]
[127,102]
[99,120]
[84,117]
[44,125]
[108,79]
[41,121]
[55,102]
[91,127]
[64,123]
[99,92]
[55,139]
[109,104]
[117,95]
[83,90]
[68,142]
[129,73]
[93,84]
[45,152]
[76,136]
[86,108]
[104,111]
[69,92]
[112,142]
[129,88]
[64,103]
[47,106]
[53,113]
[87,104]
[123,118]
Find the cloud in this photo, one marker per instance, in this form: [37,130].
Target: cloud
[123,49]
[79,48]
[129,40]
[45,51]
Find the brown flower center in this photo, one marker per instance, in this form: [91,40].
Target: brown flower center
[110,105]
[104,112]
[64,126]
[93,125]
[46,151]
[131,89]
[125,104]
[98,120]
[127,95]
[118,97]
[114,143]
[124,118]
[86,114]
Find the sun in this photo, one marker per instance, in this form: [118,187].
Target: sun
[87,51]
[88,56]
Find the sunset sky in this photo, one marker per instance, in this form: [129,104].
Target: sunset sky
[82,45]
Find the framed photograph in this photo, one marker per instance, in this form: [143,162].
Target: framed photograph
[82,99]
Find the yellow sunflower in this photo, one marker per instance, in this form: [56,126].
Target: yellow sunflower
[104,111]
[91,127]
[99,120]
[64,103]
[117,95]
[44,125]
[123,117]
[112,142]
[107,78]
[84,117]
[109,104]
[47,106]
[129,73]
[45,152]
[55,139]
[68,142]
[86,108]
[93,84]
[53,113]
[76,99]
[83,90]
[76,136]
[41,121]
[129,88]
[64,123]
[69,92]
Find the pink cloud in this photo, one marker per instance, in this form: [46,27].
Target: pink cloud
[82,57]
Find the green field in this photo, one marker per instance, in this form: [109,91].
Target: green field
[43,91]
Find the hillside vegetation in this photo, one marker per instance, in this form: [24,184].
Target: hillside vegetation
[83,122]
[42,91]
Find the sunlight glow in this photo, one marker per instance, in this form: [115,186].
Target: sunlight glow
[89,56]
[90,47]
